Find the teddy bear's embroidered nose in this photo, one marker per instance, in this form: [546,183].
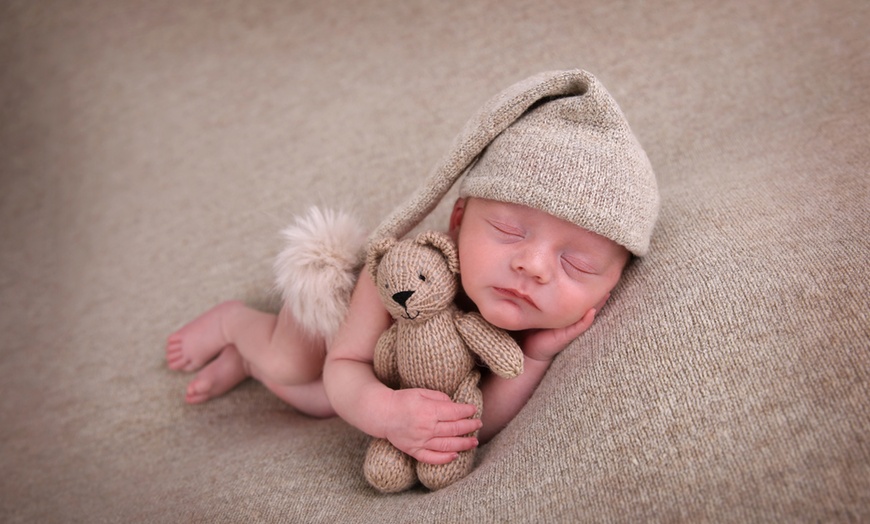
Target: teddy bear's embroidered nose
[402,297]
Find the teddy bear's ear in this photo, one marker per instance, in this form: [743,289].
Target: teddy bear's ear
[442,242]
[376,252]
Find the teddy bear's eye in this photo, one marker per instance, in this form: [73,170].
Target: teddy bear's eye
[422,277]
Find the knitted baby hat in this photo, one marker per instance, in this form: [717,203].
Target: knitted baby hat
[556,142]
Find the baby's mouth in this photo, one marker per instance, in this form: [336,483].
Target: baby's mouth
[516,294]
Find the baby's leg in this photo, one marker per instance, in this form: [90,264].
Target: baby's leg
[227,370]
[308,398]
[274,347]
[218,376]
[201,339]
[288,356]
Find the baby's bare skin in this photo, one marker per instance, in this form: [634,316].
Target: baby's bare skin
[232,342]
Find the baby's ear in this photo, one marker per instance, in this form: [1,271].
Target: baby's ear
[443,243]
[376,252]
[457,214]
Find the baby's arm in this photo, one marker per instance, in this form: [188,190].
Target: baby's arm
[504,398]
[423,423]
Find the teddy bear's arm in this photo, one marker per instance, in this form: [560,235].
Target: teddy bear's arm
[385,364]
[494,346]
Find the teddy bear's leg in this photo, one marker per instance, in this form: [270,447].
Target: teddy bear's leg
[437,476]
[387,469]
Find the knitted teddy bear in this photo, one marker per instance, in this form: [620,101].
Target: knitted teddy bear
[431,345]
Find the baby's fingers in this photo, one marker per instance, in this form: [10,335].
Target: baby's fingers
[457,428]
[445,450]
[435,457]
[448,411]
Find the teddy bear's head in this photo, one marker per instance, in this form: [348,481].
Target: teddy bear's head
[416,277]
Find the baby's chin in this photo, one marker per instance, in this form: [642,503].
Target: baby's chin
[507,322]
[510,322]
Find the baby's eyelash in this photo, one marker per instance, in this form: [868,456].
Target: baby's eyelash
[578,265]
[506,229]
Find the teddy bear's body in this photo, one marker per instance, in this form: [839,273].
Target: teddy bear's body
[431,345]
[418,366]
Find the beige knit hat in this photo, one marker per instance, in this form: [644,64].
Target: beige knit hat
[556,142]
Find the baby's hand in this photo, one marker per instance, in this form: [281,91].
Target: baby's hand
[545,344]
[429,426]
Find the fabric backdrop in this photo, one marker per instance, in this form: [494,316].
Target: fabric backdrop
[151,151]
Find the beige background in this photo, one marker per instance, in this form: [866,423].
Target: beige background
[150,152]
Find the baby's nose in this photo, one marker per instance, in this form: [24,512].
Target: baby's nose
[402,297]
[534,264]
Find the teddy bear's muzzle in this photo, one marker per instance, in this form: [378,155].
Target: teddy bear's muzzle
[402,297]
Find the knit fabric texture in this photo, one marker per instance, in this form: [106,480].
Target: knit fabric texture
[153,151]
[431,345]
[557,142]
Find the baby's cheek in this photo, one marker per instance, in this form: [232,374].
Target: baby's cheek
[569,311]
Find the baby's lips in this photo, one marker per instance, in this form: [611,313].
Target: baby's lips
[518,295]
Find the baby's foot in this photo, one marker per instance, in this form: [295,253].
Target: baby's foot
[189,348]
[218,377]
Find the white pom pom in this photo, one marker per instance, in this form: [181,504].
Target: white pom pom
[317,269]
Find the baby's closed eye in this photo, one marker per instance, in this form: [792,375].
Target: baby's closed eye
[507,231]
[576,265]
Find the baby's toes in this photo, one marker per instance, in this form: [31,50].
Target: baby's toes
[178,363]
[198,391]
[175,356]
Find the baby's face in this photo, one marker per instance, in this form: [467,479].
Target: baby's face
[526,269]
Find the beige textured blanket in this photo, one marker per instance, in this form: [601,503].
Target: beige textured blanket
[150,152]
